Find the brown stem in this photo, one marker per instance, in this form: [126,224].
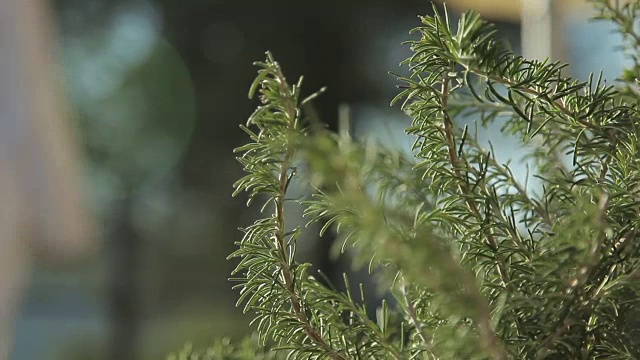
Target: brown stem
[411,310]
[486,329]
[576,287]
[281,244]
[462,185]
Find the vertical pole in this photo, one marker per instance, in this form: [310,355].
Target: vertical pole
[538,23]
[345,123]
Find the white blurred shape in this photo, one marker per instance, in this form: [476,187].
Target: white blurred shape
[40,205]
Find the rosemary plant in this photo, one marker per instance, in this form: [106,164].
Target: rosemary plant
[480,265]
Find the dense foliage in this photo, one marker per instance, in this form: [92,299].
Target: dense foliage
[480,264]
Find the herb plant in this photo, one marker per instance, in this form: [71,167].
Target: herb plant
[480,264]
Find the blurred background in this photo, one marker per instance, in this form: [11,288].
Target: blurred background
[155,90]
